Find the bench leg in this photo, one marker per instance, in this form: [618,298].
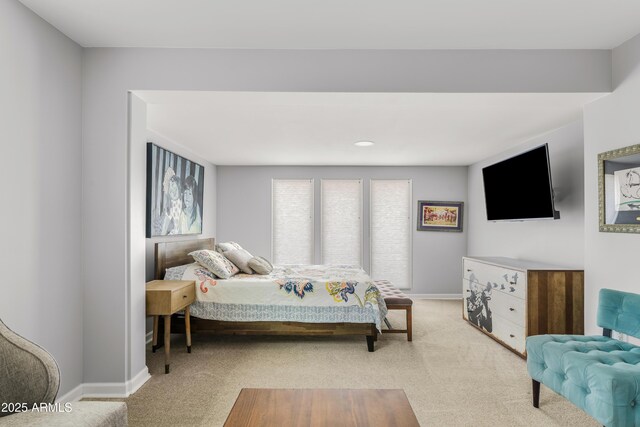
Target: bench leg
[386,322]
[409,324]
[536,393]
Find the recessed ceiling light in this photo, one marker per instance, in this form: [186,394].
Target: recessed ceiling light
[364,143]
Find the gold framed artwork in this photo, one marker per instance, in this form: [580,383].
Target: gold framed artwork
[619,190]
[440,216]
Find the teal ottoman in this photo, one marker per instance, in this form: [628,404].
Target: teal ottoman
[599,374]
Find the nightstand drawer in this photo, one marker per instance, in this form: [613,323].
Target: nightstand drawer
[165,297]
[180,298]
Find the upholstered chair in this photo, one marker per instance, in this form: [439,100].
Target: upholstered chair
[29,376]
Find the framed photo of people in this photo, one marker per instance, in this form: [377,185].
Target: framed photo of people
[175,189]
[440,216]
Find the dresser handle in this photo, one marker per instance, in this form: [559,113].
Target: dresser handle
[468,290]
[468,269]
[184,296]
[512,309]
[512,336]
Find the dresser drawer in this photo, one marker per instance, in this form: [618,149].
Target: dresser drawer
[508,307]
[180,298]
[501,279]
[465,296]
[477,297]
[476,303]
[509,333]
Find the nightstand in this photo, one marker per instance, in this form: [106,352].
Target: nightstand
[165,297]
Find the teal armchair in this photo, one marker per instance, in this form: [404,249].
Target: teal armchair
[599,374]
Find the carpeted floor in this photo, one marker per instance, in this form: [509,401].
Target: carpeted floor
[452,374]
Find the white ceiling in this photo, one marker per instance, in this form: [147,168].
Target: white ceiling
[253,128]
[340,24]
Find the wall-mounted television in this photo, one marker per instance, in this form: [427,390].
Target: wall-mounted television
[520,188]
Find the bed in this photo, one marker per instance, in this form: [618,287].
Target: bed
[292,300]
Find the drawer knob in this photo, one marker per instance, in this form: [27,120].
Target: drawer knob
[468,269]
[512,309]
[184,296]
[512,336]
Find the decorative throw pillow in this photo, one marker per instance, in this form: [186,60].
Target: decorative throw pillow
[240,258]
[215,263]
[260,265]
[227,246]
[177,273]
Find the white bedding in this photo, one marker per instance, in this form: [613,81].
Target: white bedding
[305,293]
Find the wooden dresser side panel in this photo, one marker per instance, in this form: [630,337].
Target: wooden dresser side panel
[533,297]
[578,302]
[555,302]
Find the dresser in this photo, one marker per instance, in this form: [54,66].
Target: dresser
[510,299]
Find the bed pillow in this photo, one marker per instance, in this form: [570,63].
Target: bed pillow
[240,258]
[227,246]
[177,273]
[215,263]
[260,265]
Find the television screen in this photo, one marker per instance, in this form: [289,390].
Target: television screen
[520,188]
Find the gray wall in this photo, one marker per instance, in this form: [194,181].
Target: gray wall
[558,242]
[135,297]
[208,205]
[244,214]
[40,118]
[110,171]
[78,170]
[611,259]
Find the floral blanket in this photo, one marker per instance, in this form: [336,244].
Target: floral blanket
[303,293]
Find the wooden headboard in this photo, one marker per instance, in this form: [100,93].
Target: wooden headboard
[173,254]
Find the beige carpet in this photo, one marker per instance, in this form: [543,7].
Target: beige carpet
[452,374]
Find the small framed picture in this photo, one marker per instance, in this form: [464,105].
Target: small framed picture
[440,216]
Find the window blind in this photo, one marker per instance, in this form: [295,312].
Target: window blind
[292,221]
[341,221]
[390,234]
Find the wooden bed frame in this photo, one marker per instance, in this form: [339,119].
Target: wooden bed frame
[175,253]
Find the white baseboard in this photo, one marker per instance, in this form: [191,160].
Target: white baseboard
[435,296]
[108,390]
[104,390]
[71,396]
[138,381]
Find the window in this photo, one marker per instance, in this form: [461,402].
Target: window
[391,231]
[341,221]
[292,221]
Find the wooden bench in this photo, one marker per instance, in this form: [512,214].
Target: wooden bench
[395,300]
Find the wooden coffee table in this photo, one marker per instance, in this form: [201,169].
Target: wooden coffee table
[321,407]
